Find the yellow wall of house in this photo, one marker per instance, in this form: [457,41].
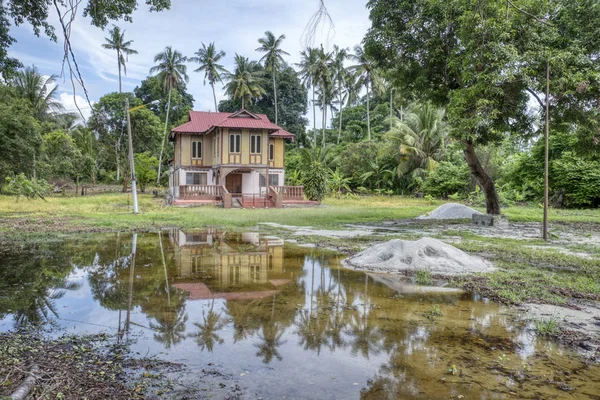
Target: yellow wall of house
[245,147]
[186,152]
[224,146]
[207,149]
[183,149]
[279,152]
[176,160]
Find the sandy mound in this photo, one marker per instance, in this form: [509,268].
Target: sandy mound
[450,211]
[424,254]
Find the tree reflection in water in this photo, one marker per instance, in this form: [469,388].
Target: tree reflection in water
[32,278]
[207,336]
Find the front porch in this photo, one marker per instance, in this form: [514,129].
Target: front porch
[220,195]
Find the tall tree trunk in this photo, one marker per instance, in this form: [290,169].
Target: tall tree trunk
[164,136]
[368,115]
[341,112]
[492,201]
[275,93]
[323,126]
[125,180]
[242,103]
[117,160]
[118,145]
[119,63]
[214,96]
[314,117]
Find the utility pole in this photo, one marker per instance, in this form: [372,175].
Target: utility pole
[546,134]
[131,166]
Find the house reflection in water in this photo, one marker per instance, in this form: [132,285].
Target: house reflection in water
[232,266]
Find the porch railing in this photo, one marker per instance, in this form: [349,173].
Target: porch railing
[256,200]
[209,192]
[290,192]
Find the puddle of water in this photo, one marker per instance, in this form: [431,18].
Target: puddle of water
[283,321]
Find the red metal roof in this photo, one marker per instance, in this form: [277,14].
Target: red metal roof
[201,122]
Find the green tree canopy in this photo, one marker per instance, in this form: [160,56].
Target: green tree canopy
[19,134]
[151,90]
[484,61]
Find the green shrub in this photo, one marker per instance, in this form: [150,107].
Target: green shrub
[578,179]
[29,188]
[146,166]
[315,179]
[448,179]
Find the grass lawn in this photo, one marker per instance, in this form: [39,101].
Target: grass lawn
[113,211]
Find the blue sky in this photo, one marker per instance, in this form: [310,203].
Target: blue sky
[234,25]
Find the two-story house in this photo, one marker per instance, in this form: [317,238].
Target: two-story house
[236,159]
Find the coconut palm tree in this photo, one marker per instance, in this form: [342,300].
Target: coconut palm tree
[341,78]
[272,59]
[116,41]
[172,72]
[246,82]
[208,58]
[324,79]
[308,68]
[31,85]
[365,71]
[419,140]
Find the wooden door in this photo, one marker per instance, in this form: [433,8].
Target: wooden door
[233,183]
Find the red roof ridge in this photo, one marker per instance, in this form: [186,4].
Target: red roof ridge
[203,122]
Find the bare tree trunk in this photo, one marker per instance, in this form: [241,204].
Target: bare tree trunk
[125,181]
[323,126]
[275,94]
[117,160]
[119,63]
[314,117]
[341,112]
[214,96]
[368,115]
[492,201]
[162,146]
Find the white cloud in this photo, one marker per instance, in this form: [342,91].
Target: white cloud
[71,103]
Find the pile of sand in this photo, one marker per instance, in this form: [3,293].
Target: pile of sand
[450,211]
[424,254]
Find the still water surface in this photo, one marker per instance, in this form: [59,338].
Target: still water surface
[283,321]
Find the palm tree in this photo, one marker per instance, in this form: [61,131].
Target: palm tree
[308,68]
[324,79]
[366,73]
[31,85]
[117,42]
[419,140]
[341,78]
[273,58]
[208,58]
[246,81]
[173,73]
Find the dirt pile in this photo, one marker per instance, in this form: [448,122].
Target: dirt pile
[427,254]
[450,211]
